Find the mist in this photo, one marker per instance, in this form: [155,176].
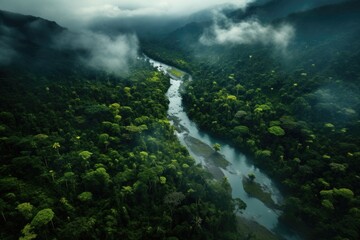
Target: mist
[252,31]
[78,14]
[111,54]
[28,43]
[7,39]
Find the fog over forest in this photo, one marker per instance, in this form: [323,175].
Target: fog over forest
[180,119]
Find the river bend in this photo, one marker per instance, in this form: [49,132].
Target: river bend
[239,166]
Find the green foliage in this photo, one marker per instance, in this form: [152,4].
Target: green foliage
[329,125]
[251,177]
[162,179]
[300,123]
[231,98]
[26,209]
[43,217]
[127,189]
[115,108]
[132,149]
[217,147]
[85,155]
[103,138]
[127,91]
[327,204]
[28,233]
[96,110]
[174,199]
[262,108]
[338,167]
[41,137]
[97,179]
[175,72]
[326,194]
[276,130]
[344,192]
[56,145]
[263,153]
[185,165]
[240,205]
[241,130]
[85,196]
[136,129]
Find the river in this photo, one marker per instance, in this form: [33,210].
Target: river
[228,162]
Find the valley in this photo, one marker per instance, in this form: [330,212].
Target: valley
[178,120]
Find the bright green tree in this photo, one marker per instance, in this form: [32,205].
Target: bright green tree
[43,217]
[26,209]
[85,155]
[217,147]
[85,196]
[276,130]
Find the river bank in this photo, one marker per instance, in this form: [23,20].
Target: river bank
[229,163]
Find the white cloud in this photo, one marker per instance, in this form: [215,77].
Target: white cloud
[75,14]
[224,31]
[112,11]
[110,54]
[104,53]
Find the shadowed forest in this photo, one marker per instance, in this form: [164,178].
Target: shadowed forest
[88,150]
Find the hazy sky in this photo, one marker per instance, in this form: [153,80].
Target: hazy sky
[76,13]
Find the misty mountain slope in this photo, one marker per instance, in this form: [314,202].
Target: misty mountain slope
[25,38]
[317,23]
[152,27]
[274,9]
[319,34]
[326,22]
[327,36]
[33,28]
[187,36]
[144,27]
[318,31]
[30,42]
[19,31]
[207,14]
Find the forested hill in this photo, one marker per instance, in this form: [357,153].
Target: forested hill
[295,111]
[33,28]
[320,33]
[326,21]
[314,24]
[29,42]
[275,9]
[87,154]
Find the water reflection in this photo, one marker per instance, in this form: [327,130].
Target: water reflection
[236,171]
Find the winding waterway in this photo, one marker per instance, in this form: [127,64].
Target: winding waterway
[236,167]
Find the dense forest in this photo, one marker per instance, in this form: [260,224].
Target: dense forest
[94,157]
[307,139]
[88,151]
[91,155]
[295,113]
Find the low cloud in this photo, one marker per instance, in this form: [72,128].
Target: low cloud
[224,32]
[336,103]
[98,51]
[111,54]
[7,54]
[77,14]
[7,39]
